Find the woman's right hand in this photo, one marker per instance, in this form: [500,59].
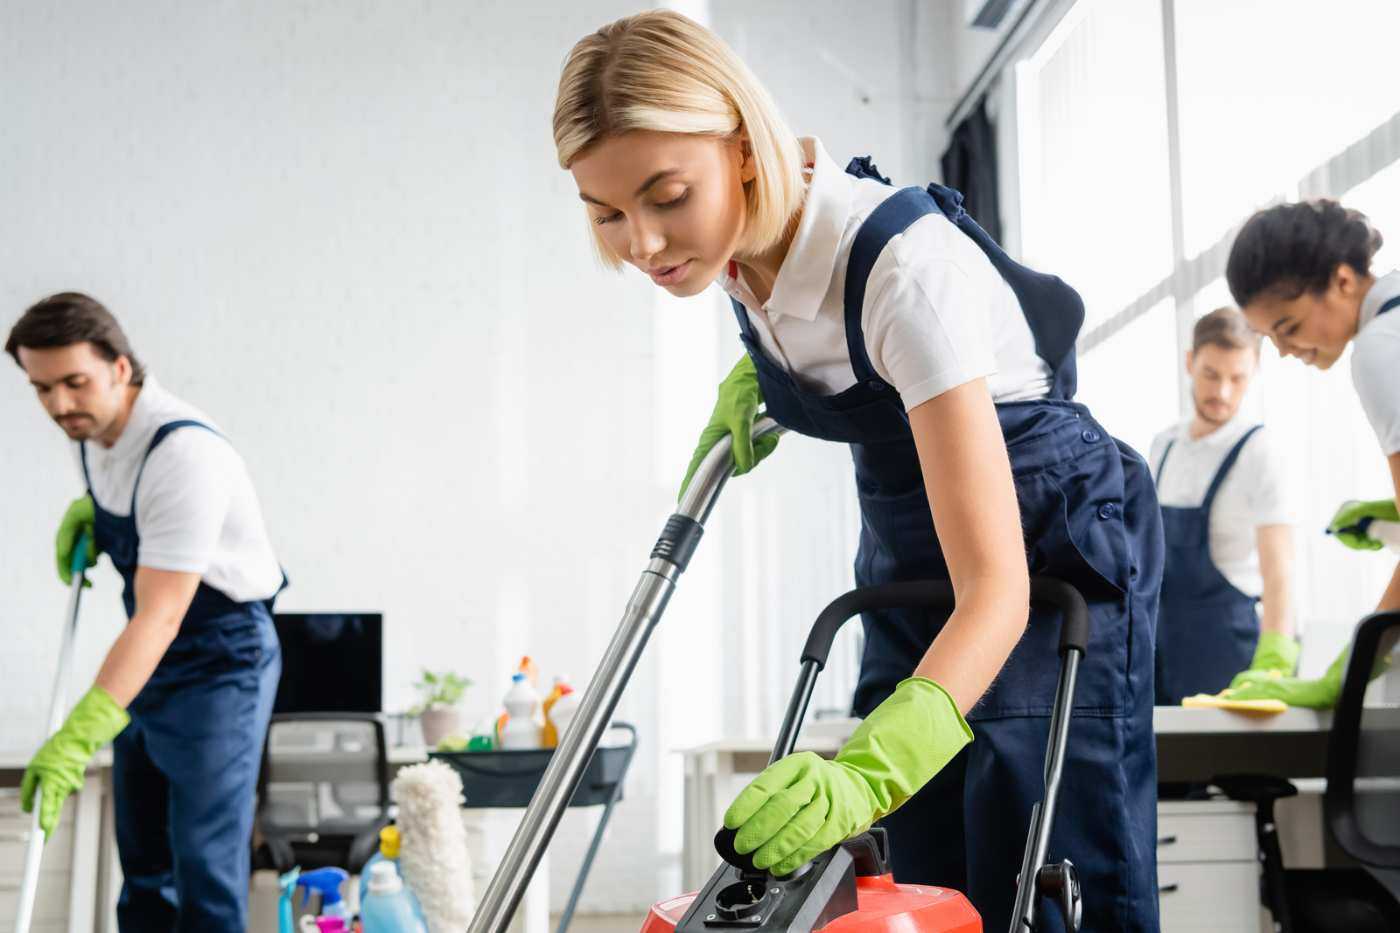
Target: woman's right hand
[735,411]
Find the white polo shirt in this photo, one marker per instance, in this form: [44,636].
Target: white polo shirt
[196,511]
[1253,494]
[937,314]
[1375,362]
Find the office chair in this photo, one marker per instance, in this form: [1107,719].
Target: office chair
[1361,804]
[323,792]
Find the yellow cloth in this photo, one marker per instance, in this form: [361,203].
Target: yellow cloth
[1209,701]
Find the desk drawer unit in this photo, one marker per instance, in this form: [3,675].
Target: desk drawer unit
[1205,898]
[1209,831]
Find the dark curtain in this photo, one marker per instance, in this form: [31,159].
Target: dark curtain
[970,166]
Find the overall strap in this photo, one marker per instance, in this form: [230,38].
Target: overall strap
[1161,464]
[1392,303]
[745,325]
[887,221]
[82,458]
[1227,465]
[161,434]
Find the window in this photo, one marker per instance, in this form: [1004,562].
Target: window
[1274,101]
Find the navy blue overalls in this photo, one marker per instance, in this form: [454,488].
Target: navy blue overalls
[1207,629]
[185,770]
[1089,511]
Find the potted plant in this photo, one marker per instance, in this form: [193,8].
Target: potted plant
[437,713]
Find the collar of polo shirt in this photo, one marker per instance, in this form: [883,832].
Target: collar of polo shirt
[811,259]
[1385,288]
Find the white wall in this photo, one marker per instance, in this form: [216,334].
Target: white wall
[339,228]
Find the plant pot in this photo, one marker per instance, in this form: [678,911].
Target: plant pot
[438,723]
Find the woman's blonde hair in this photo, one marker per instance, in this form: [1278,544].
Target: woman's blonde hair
[663,72]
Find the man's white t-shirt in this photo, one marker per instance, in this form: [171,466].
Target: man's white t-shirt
[1254,492]
[937,314]
[1375,362]
[196,510]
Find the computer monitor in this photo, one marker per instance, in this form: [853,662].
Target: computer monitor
[332,662]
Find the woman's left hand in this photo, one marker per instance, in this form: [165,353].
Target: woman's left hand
[803,805]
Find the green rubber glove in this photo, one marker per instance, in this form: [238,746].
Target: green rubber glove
[78,519]
[57,768]
[1275,652]
[734,413]
[803,805]
[1321,693]
[1350,513]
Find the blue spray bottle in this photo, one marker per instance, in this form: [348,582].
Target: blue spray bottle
[285,919]
[327,882]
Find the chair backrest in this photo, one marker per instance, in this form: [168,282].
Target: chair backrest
[323,774]
[1362,801]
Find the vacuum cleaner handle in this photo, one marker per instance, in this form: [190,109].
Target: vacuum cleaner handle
[58,705]
[669,558]
[938,594]
[913,594]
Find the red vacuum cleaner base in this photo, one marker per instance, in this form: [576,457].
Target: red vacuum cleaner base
[885,907]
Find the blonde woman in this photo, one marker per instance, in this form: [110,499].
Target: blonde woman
[887,320]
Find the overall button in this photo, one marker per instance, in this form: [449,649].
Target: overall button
[1090,436]
[875,384]
[1108,509]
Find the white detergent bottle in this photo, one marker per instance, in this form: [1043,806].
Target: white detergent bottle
[564,709]
[522,728]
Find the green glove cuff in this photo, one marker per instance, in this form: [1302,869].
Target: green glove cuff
[1276,652]
[905,741]
[96,720]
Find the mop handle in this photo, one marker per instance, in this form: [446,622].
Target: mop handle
[34,852]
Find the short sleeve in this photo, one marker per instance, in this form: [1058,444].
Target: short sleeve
[927,321]
[1268,496]
[1375,358]
[183,501]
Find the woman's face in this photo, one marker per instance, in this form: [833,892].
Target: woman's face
[671,204]
[1315,326]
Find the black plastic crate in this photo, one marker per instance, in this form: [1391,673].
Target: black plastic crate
[509,778]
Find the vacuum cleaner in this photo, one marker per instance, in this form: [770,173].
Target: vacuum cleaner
[850,888]
[847,889]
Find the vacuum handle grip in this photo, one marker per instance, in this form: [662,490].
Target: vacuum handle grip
[78,563]
[938,594]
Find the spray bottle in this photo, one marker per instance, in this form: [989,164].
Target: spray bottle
[285,914]
[327,882]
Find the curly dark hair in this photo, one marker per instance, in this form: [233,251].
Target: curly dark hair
[1290,249]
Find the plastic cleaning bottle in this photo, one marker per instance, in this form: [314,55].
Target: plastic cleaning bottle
[521,730]
[549,738]
[326,882]
[564,709]
[389,842]
[530,670]
[388,907]
[285,914]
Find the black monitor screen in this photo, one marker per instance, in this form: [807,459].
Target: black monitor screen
[331,662]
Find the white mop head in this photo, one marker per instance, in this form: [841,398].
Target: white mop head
[433,849]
